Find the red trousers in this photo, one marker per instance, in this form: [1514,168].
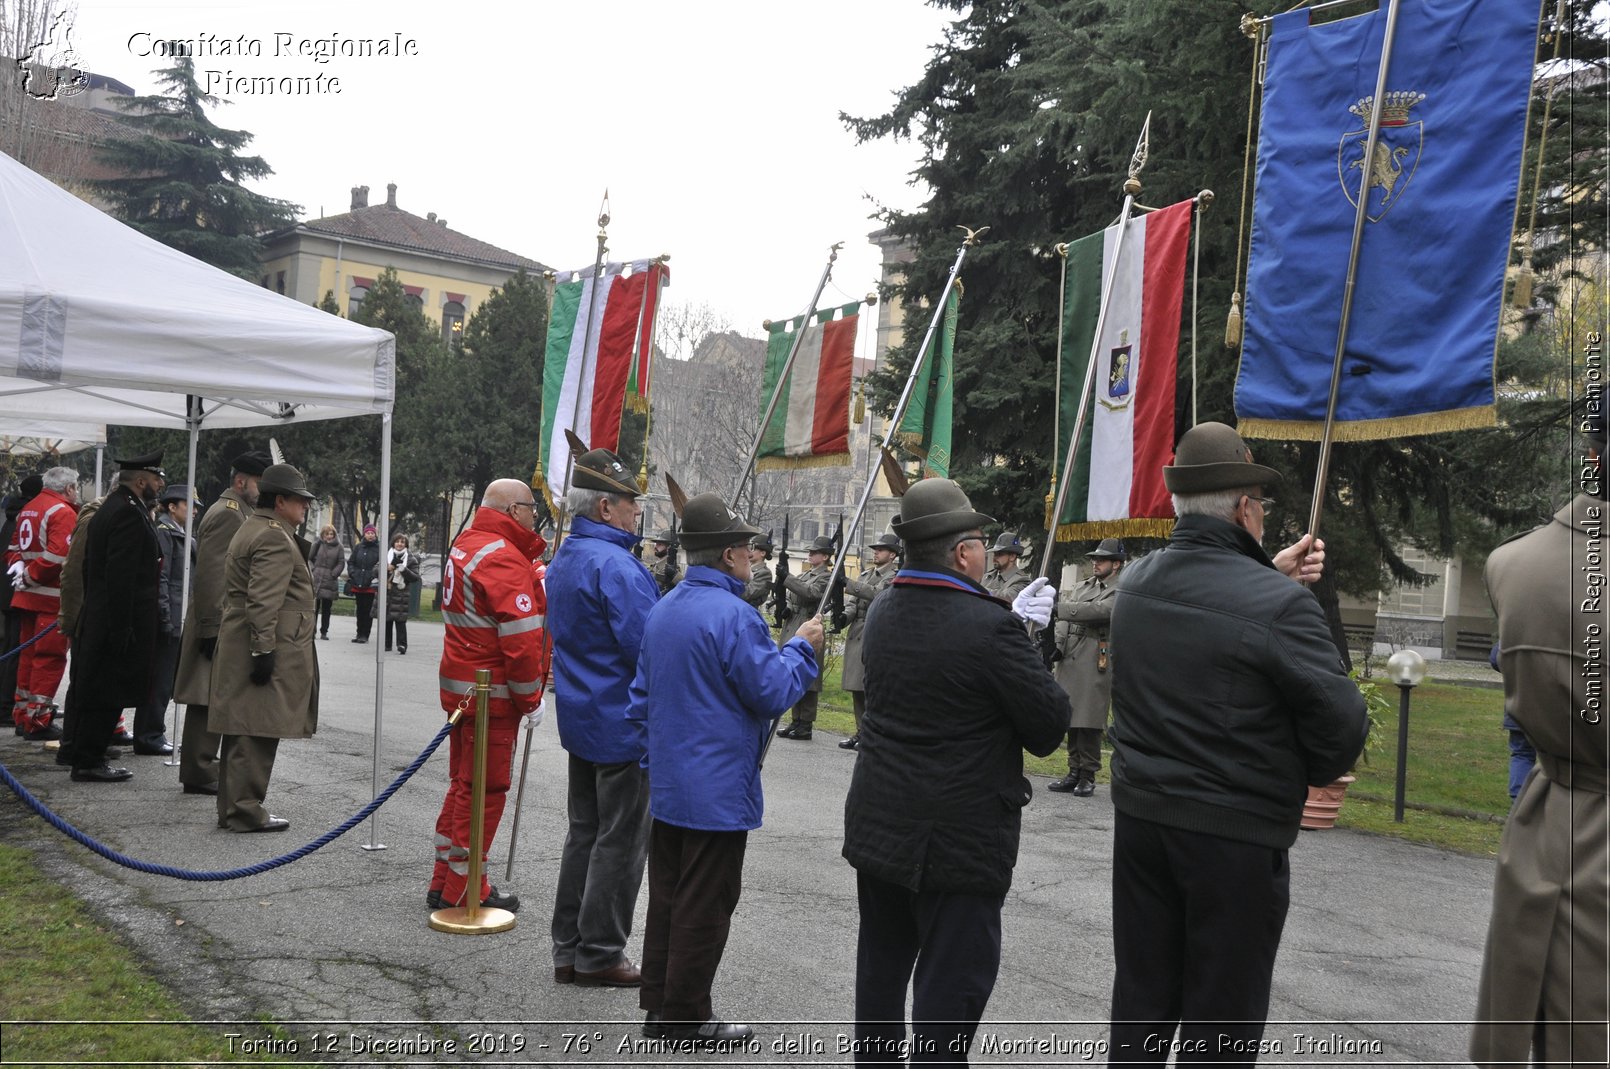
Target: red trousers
[39,671]
[453,824]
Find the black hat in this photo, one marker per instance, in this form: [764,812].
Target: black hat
[252,462]
[1212,456]
[1110,549]
[32,486]
[664,534]
[761,541]
[935,507]
[600,469]
[284,480]
[820,544]
[178,492]
[151,462]
[886,540]
[707,523]
[1007,542]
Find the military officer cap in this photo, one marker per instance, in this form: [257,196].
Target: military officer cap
[1008,542]
[601,469]
[1212,456]
[761,542]
[935,507]
[178,492]
[707,523]
[284,480]
[664,534]
[151,462]
[820,544]
[887,540]
[1110,549]
[251,462]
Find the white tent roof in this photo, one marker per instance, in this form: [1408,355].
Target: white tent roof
[99,324]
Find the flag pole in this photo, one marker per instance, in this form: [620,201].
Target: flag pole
[648,365]
[894,421]
[1204,201]
[1131,191]
[1322,473]
[575,410]
[782,379]
[1056,389]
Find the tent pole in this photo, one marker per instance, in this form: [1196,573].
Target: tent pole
[192,420]
[100,455]
[380,661]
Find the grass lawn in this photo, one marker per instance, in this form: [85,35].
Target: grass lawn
[83,990]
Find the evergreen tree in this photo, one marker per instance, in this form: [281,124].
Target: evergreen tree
[182,177]
[497,380]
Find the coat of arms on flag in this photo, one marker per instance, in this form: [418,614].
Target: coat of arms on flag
[810,427]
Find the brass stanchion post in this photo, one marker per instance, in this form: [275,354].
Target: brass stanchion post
[472,918]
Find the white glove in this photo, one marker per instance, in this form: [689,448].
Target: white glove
[19,575]
[533,719]
[1034,605]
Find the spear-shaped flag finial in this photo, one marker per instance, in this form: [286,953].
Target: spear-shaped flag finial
[1137,163]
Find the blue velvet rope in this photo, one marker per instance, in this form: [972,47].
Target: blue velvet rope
[223,874]
[13,652]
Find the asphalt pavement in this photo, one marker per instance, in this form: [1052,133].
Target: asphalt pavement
[1378,964]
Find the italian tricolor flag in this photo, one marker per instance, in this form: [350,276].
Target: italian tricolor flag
[810,428]
[1117,485]
[590,375]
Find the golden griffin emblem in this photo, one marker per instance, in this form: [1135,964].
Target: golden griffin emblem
[1384,177]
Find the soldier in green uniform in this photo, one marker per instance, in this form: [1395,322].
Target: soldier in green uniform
[885,554]
[758,589]
[805,594]
[1005,579]
[1084,665]
[192,687]
[663,566]
[265,671]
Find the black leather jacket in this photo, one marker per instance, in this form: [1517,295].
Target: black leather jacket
[1230,698]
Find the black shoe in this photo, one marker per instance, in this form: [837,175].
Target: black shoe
[653,1027]
[101,774]
[45,734]
[402,649]
[433,900]
[360,638]
[123,738]
[273,823]
[388,647]
[325,637]
[1084,788]
[494,900]
[783,732]
[160,748]
[1065,785]
[201,788]
[797,733]
[851,743]
[709,1033]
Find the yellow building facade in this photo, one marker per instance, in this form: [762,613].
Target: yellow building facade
[448,273]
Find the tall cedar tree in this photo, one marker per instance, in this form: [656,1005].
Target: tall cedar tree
[1027,117]
[182,177]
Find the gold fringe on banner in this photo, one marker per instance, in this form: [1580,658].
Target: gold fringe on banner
[827,460]
[540,485]
[1099,529]
[635,403]
[1369,430]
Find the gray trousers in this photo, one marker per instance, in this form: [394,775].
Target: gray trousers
[601,869]
[1084,751]
[198,749]
[243,774]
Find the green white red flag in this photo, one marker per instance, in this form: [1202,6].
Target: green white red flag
[600,341]
[810,427]
[1117,483]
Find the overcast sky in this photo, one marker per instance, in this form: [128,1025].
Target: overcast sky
[713,123]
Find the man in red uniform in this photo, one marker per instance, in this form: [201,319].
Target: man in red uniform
[34,559]
[494,609]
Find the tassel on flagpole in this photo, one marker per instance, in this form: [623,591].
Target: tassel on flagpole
[1051,503]
[1523,284]
[859,414]
[1232,323]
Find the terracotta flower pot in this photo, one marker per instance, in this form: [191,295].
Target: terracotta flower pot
[1319,812]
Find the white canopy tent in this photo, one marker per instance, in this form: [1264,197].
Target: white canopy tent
[101,325]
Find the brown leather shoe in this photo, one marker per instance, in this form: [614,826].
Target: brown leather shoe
[622,974]
[564,974]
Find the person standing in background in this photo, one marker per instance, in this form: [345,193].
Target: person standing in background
[402,575]
[363,570]
[326,563]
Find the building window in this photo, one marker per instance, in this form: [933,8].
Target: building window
[355,298]
[416,301]
[452,322]
[265,282]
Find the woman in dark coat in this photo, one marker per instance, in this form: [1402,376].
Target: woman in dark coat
[326,562]
[402,573]
[362,568]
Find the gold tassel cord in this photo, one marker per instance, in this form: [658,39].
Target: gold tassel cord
[859,412]
[1232,326]
[1369,430]
[1099,529]
[1522,296]
[827,460]
[1050,503]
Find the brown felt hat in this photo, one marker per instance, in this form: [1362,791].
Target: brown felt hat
[1212,456]
[601,469]
[935,507]
[708,523]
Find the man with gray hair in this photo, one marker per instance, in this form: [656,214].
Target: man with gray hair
[599,597]
[1212,756]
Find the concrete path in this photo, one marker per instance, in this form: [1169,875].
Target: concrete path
[1378,964]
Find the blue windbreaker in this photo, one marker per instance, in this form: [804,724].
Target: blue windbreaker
[709,682]
[599,596]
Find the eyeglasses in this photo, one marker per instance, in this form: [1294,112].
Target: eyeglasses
[532,505]
[1266,503]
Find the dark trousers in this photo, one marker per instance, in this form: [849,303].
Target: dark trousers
[150,715]
[1084,752]
[1196,923]
[401,627]
[244,769]
[694,880]
[198,749]
[947,947]
[93,727]
[805,709]
[13,638]
[323,610]
[601,868]
[366,613]
[858,707]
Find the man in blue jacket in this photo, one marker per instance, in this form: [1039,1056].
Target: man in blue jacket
[599,596]
[709,684]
